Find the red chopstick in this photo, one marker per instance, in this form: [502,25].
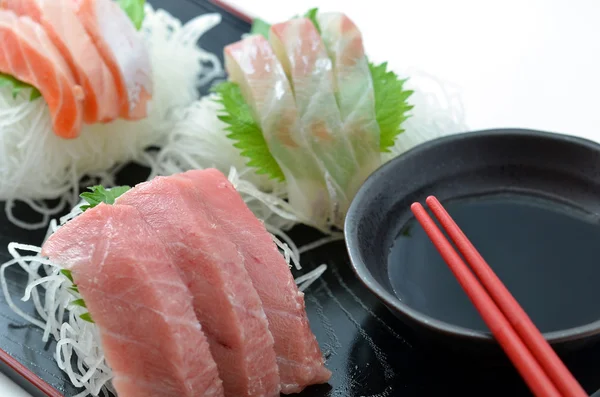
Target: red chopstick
[530,353]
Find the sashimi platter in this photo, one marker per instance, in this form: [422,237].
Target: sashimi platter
[175,181]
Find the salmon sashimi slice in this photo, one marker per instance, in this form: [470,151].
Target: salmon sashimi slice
[298,354]
[150,335]
[252,64]
[123,51]
[68,35]
[299,47]
[28,54]
[354,91]
[225,300]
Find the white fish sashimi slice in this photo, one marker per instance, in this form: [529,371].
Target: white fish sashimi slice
[353,90]
[70,38]
[123,51]
[300,49]
[28,54]
[252,64]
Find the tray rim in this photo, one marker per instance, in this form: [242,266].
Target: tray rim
[27,375]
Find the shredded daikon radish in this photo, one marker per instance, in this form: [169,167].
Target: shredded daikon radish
[321,242]
[78,350]
[35,164]
[289,249]
[438,111]
[307,279]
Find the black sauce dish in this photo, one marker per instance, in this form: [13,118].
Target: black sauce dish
[529,201]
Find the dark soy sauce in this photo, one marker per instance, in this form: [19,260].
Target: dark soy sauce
[547,255]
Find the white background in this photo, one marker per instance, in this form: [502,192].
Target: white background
[515,63]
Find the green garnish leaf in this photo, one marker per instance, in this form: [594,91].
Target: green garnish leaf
[86,317]
[312,15]
[17,86]
[35,94]
[391,105]
[99,195]
[260,26]
[134,10]
[68,274]
[245,131]
[79,302]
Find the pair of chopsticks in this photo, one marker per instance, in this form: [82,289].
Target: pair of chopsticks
[530,353]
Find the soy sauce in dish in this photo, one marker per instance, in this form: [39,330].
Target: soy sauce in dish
[546,253]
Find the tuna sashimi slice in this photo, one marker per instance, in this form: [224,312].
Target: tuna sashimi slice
[252,64]
[28,54]
[123,51]
[151,337]
[225,300]
[299,47]
[298,354]
[68,35]
[353,90]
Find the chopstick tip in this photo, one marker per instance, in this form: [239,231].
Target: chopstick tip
[416,206]
[431,199]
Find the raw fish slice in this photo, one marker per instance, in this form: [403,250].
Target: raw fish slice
[252,64]
[27,53]
[298,354]
[299,47]
[150,335]
[353,90]
[225,301]
[70,38]
[123,51]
